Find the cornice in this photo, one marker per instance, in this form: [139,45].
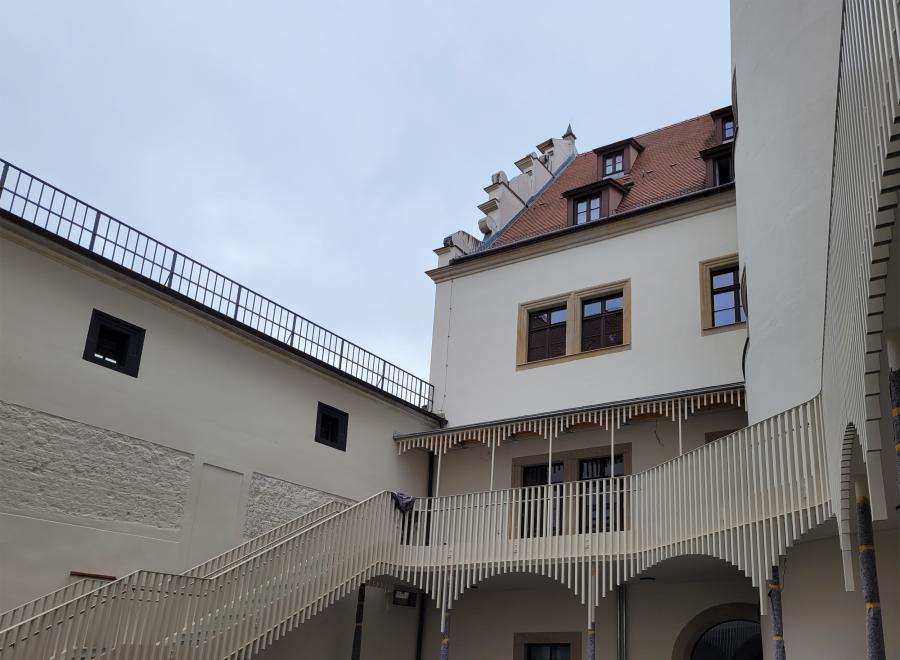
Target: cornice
[705,201]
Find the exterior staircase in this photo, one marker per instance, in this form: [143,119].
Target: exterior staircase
[744,498]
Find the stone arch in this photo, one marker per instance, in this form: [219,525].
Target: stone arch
[694,629]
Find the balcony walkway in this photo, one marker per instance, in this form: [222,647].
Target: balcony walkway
[744,498]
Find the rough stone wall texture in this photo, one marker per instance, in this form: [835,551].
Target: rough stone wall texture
[272,502]
[53,465]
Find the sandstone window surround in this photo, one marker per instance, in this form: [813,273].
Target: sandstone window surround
[709,269]
[576,304]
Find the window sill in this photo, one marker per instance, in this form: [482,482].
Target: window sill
[574,356]
[713,330]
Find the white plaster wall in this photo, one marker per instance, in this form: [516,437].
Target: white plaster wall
[821,620]
[474,342]
[785,57]
[389,632]
[649,443]
[484,621]
[219,402]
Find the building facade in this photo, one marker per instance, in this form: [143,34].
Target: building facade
[664,391]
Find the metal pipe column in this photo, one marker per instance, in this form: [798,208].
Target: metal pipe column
[868,573]
[774,587]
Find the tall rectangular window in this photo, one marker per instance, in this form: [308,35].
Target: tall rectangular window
[722,170]
[725,288]
[609,497]
[602,322]
[613,163]
[533,515]
[547,333]
[727,128]
[587,210]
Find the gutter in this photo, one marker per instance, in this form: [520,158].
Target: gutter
[576,228]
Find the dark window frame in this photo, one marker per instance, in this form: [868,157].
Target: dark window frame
[734,289]
[553,647]
[727,128]
[717,178]
[589,208]
[604,316]
[547,331]
[617,159]
[104,328]
[330,419]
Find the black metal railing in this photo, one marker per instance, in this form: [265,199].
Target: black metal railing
[39,203]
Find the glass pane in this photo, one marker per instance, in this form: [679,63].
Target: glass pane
[536,475]
[608,166]
[581,218]
[556,476]
[558,316]
[581,207]
[595,214]
[538,652]
[728,129]
[723,171]
[593,468]
[723,301]
[725,317]
[561,652]
[595,203]
[618,162]
[726,278]
[539,319]
[612,329]
[613,304]
[591,308]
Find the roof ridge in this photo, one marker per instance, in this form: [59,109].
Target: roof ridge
[677,123]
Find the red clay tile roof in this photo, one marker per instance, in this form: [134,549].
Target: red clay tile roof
[669,166]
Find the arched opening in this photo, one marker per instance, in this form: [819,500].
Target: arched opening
[729,631]
[737,639]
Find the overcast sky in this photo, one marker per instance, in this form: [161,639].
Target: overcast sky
[319,152]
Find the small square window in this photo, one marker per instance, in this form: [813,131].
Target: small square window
[331,427]
[114,343]
[613,163]
[405,597]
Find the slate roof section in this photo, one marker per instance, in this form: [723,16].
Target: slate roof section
[669,166]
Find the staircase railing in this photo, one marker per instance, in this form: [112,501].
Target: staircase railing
[239,611]
[83,587]
[744,498]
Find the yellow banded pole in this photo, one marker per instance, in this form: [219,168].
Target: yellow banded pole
[445,636]
[774,587]
[868,573]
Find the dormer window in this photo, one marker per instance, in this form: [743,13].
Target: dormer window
[727,128]
[613,163]
[722,170]
[587,210]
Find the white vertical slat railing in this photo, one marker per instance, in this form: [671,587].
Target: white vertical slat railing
[744,498]
[82,587]
[231,614]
